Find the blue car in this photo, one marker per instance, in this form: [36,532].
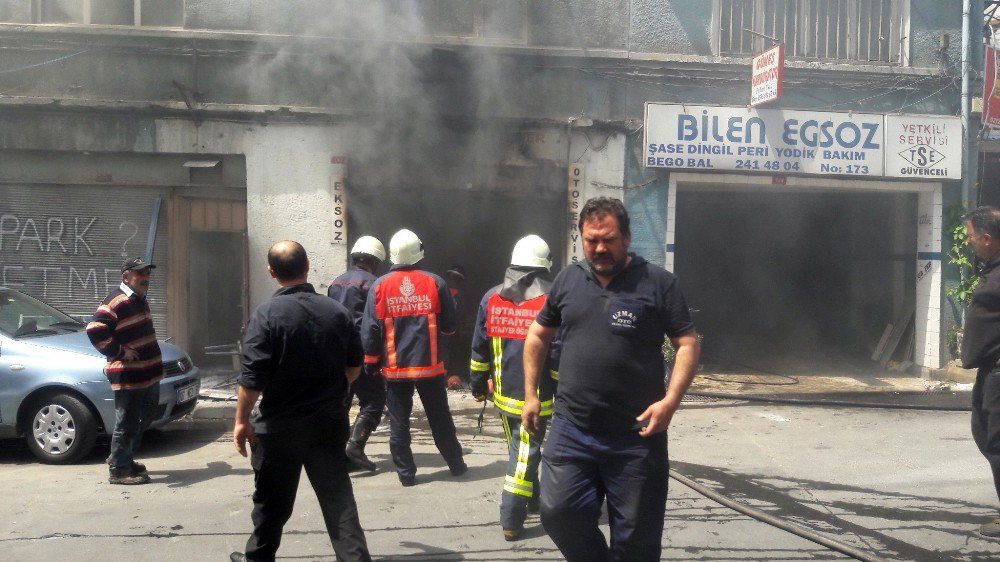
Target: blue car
[53,391]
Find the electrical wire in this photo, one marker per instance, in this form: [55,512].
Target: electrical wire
[36,65]
[900,83]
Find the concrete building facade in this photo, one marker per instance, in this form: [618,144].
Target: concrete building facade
[472,123]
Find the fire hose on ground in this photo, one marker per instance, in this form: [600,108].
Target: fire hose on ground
[815,402]
[759,515]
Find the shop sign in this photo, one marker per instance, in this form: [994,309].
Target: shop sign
[766,75]
[777,141]
[991,93]
[924,146]
[763,140]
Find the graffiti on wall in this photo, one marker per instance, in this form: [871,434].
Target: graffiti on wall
[49,255]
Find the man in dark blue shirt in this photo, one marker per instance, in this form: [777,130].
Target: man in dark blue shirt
[981,343]
[351,290]
[301,351]
[607,437]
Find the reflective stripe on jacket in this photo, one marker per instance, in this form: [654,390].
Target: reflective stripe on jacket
[406,313]
[498,351]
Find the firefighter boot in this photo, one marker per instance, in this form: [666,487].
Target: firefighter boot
[355,449]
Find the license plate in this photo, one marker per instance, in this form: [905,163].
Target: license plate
[187,392]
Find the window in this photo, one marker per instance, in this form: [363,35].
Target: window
[867,31]
[153,13]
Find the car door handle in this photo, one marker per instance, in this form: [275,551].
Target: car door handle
[17,367]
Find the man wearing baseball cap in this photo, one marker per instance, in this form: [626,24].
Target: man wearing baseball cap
[122,330]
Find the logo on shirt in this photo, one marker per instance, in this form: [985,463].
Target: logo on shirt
[505,319]
[406,287]
[623,319]
[406,295]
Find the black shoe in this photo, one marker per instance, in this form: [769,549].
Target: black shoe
[356,457]
[138,468]
[407,481]
[237,557]
[459,469]
[126,476]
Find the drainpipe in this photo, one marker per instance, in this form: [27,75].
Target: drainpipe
[967,180]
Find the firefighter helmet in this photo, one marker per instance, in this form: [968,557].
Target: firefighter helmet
[405,248]
[369,246]
[531,251]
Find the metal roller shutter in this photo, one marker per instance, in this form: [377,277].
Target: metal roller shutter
[65,244]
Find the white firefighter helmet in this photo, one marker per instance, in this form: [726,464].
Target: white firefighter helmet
[369,246]
[531,251]
[405,248]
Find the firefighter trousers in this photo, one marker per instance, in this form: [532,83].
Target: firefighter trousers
[520,484]
[434,397]
[370,390]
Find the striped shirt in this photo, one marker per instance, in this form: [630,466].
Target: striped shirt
[123,319]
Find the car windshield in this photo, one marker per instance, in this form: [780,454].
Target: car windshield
[22,316]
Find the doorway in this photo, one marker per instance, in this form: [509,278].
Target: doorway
[215,294]
[788,281]
[475,229]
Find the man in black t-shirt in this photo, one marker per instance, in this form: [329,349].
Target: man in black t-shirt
[301,352]
[607,436]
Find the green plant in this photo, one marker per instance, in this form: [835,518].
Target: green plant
[960,254]
[669,353]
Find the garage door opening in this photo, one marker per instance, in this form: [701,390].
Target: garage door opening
[796,282]
[474,228]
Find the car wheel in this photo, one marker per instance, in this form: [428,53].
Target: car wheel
[61,429]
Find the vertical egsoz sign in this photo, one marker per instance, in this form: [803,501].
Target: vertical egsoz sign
[338,208]
[767,73]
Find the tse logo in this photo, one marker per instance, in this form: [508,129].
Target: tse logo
[922,156]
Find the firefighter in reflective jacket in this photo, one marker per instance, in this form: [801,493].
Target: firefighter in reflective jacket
[407,312]
[505,313]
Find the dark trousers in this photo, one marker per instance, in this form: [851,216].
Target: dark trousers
[277,460]
[520,484]
[434,397]
[370,390]
[134,410]
[986,419]
[580,469]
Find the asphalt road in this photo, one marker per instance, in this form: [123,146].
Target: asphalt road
[903,485]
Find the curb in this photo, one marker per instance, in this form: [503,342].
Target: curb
[209,408]
[958,374]
[219,403]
